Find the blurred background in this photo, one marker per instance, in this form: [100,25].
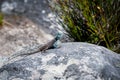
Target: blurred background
[28,22]
[24,23]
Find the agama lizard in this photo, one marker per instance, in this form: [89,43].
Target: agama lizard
[37,48]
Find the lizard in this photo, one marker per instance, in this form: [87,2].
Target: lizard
[28,50]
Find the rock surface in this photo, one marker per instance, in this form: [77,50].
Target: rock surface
[15,37]
[73,61]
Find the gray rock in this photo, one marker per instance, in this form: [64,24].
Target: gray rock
[73,61]
[7,7]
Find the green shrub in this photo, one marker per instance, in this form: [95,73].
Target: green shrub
[93,21]
[1,19]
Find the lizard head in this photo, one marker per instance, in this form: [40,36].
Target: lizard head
[58,36]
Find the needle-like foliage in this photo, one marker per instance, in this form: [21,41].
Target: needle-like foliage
[93,21]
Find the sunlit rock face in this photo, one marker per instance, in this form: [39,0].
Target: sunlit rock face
[72,61]
[15,37]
